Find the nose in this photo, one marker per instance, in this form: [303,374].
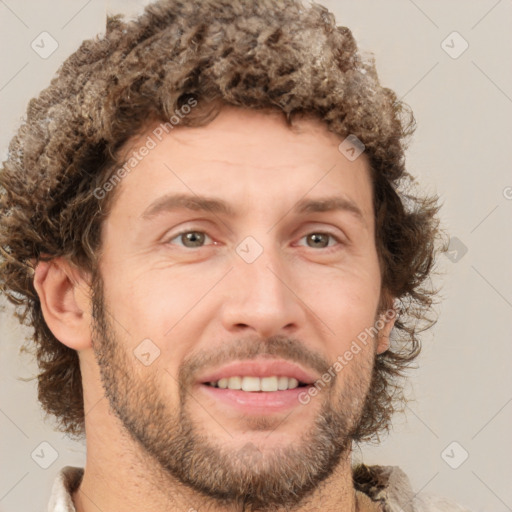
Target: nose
[260,297]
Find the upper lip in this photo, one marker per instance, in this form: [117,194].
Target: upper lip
[260,368]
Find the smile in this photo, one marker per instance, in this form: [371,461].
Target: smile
[258,386]
[252,384]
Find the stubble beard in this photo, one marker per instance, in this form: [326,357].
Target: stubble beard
[246,478]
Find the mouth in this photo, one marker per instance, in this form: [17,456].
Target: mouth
[258,386]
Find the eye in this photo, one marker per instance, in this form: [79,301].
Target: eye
[191,239]
[196,239]
[320,239]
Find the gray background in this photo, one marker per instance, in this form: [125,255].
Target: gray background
[462,391]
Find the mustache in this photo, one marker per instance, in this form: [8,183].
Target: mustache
[290,349]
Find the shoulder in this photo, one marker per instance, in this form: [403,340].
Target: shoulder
[390,486]
[64,485]
[431,503]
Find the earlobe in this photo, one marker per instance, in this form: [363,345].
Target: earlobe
[65,302]
[386,323]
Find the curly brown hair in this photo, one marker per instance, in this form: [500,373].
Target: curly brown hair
[264,54]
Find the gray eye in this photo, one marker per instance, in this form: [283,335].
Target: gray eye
[319,239]
[190,239]
[194,238]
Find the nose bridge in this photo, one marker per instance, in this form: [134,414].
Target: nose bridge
[261,266]
[259,293]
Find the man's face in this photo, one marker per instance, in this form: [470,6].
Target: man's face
[260,297]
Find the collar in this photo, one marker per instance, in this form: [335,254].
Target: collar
[388,486]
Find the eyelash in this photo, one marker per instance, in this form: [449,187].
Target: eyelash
[325,249]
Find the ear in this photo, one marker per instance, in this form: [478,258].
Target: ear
[385,322]
[65,297]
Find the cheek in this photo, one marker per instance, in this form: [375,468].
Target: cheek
[345,300]
[353,284]
[158,306]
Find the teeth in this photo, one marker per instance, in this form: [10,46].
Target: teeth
[269,384]
[257,383]
[251,384]
[282,383]
[235,383]
[293,383]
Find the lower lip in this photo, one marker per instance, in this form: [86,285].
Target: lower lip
[257,402]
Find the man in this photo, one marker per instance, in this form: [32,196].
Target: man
[203,218]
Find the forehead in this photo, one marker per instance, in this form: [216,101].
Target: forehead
[242,153]
[245,134]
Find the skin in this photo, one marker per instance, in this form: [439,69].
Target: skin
[189,302]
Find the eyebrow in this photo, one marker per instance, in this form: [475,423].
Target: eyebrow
[329,204]
[172,202]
